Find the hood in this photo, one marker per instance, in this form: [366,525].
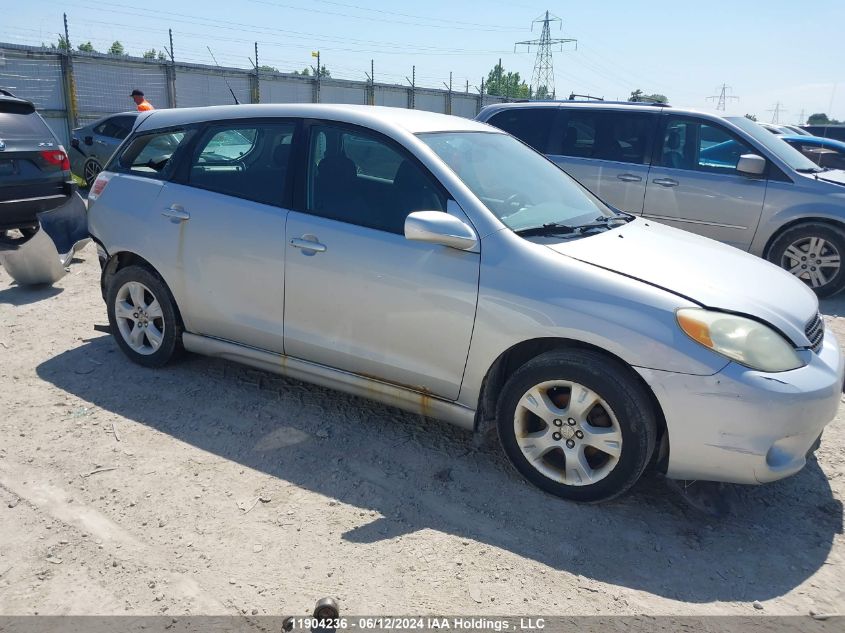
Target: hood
[836,176]
[705,271]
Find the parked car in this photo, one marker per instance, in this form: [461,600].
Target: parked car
[763,196]
[781,129]
[439,265]
[93,144]
[825,152]
[826,131]
[42,219]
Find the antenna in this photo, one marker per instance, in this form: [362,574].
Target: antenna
[543,78]
[723,96]
[224,77]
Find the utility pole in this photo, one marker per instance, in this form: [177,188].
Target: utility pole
[317,78]
[776,112]
[449,95]
[70,84]
[722,97]
[170,71]
[255,88]
[543,78]
[371,78]
[413,82]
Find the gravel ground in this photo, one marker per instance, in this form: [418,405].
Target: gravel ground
[209,488]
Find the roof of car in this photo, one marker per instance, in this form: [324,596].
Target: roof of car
[611,105]
[376,117]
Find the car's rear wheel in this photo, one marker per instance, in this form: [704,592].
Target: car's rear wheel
[814,253]
[142,316]
[91,170]
[577,424]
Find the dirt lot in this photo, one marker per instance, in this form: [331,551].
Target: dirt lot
[210,488]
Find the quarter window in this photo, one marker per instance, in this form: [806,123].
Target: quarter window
[149,154]
[116,127]
[530,125]
[695,145]
[245,161]
[363,179]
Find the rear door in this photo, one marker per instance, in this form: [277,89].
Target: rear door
[223,219]
[607,151]
[109,134]
[694,184]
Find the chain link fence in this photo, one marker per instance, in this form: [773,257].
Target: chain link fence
[76,89]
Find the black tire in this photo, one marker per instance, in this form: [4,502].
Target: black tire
[91,170]
[168,324]
[617,387]
[835,240]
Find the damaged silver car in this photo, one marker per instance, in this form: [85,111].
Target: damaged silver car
[42,217]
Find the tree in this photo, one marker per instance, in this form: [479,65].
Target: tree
[751,116]
[162,56]
[308,72]
[268,69]
[116,49]
[507,84]
[638,96]
[150,54]
[820,118]
[60,45]
[87,47]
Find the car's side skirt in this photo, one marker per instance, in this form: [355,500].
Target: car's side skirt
[355,384]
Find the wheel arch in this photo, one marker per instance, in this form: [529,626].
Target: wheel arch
[812,219]
[517,355]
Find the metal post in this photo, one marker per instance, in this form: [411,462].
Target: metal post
[372,83]
[449,101]
[171,74]
[255,81]
[412,91]
[72,108]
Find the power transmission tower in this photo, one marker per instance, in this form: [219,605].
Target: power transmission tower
[776,112]
[543,78]
[801,119]
[722,97]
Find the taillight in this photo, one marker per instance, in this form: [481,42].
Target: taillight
[99,185]
[56,157]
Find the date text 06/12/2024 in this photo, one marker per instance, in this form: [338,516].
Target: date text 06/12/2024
[420,623]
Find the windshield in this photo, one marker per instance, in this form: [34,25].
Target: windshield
[521,187]
[783,150]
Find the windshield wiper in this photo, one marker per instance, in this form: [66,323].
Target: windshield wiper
[811,170]
[550,228]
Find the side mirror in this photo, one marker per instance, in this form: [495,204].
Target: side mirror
[751,165]
[437,227]
[88,140]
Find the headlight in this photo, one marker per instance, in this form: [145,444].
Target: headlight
[743,340]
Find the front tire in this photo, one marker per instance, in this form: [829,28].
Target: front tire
[813,252]
[577,424]
[142,316]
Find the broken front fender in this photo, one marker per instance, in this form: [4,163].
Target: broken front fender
[42,254]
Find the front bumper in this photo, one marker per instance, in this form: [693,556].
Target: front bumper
[746,426]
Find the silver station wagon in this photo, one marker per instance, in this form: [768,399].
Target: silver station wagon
[442,266]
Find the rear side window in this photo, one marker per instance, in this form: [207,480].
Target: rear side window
[116,127]
[530,125]
[149,154]
[19,121]
[249,161]
[622,137]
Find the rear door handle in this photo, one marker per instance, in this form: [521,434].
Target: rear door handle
[176,212]
[629,178]
[665,182]
[308,245]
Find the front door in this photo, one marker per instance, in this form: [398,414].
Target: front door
[694,184]
[227,228]
[359,296]
[607,151]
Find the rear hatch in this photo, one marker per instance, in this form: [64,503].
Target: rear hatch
[34,168]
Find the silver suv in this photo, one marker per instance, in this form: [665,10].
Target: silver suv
[724,178]
[441,266]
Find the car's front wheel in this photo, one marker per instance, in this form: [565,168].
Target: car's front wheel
[813,252]
[577,424]
[91,170]
[142,316]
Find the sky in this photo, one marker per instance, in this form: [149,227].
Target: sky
[767,52]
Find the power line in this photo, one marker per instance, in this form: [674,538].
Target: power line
[543,77]
[722,97]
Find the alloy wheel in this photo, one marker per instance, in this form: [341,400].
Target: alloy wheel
[139,317]
[568,432]
[814,260]
[91,170]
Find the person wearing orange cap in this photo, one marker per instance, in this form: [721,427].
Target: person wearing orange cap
[140,101]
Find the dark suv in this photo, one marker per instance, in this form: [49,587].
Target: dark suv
[42,219]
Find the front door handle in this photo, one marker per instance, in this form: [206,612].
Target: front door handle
[665,182]
[176,212]
[308,245]
[629,178]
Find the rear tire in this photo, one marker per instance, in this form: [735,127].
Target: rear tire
[577,424]
[142,316]
[814,252]
[91,170]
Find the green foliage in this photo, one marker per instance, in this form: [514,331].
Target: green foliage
[268,69]
[87,47]
[150,54]
[639,96]
[506,84]
[308,72]
[116,49]
[60,45]
[820,118]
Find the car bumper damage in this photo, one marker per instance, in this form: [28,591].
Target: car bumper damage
[41,254]
[746,426]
